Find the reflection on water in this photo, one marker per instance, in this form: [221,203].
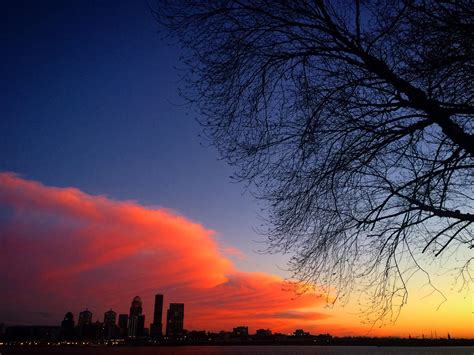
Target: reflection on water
[244,350]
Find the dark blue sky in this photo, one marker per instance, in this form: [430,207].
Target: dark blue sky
[89,99]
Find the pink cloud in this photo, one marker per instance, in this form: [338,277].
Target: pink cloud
[62,249]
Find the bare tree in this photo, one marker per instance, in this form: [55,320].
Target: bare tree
[353,120]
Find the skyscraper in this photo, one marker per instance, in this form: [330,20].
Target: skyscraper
[67,326]
[175,320]
[156,328]
[141,325]
[136,307]
[110,318]
[84,324]
[123,325]
[135,313]
[85,318]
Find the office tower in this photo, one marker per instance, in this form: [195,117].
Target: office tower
[140,325]
[136,307]
[84,324]
[135,313]
[123,325]
[132,326]
[156,328]
[85,318]
[110,318]
[175,320]
[68,321]
[67,327]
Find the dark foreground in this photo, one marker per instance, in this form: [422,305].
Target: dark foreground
[243,349]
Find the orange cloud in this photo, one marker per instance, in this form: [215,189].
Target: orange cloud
[63,249]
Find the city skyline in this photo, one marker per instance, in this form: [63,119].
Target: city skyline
[130,325]
[110,329]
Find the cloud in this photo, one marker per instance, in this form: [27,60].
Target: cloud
[64,250]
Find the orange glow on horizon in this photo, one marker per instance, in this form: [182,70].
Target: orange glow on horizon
[77,250]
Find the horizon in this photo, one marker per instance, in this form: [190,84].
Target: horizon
[147,330]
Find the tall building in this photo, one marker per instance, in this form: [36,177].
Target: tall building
[85,318]
[156,328]
[134,324]
[141,325]
[67,327]
[136,307]
[123,325]
[84,324]
[110,318]
[175,320]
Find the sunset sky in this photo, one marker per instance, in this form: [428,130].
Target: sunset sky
[107,191]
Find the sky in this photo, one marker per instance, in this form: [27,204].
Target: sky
[108,192]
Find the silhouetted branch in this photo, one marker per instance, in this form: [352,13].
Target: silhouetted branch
[354,123]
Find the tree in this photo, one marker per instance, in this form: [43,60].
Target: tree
[353,120]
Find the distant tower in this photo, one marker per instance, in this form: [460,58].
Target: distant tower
[156,328]
[67,326]
[241,331]
[141,325]
[110,318]
[175,320]
[123,325]
[133,320]
[85,324]
[85,318]
[136,307]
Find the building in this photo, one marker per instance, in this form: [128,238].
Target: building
[123,325]
[136,307]
[141,325]
[84,325]
[175,320]
[240,331]
[263,333]
[110,319]
[67,326]
[134,320]
[85,318]
[156,328]
[132,326]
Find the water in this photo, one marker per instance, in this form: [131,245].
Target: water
[244,350]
